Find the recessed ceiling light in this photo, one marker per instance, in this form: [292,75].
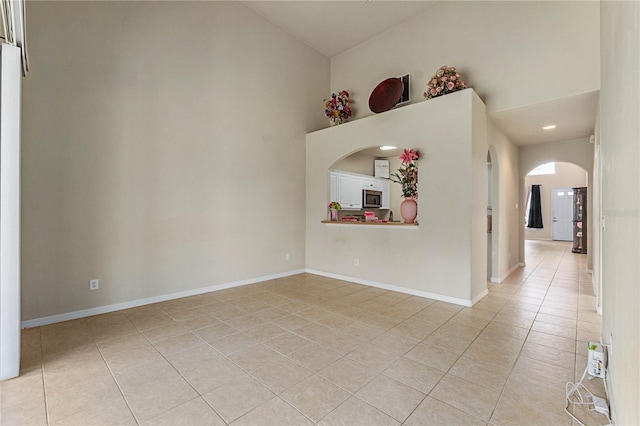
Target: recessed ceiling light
[549,127]
[387,147]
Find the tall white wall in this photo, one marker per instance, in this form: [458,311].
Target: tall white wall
[438,256]
[163,150]
[505,213]
[512,53]
[567,176]
[619,158]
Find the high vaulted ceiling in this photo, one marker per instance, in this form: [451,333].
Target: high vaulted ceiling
[332,27]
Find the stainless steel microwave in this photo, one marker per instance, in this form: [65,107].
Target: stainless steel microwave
[371,199]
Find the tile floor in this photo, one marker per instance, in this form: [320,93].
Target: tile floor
[308,349]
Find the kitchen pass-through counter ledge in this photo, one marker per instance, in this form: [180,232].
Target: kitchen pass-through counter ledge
[393,224]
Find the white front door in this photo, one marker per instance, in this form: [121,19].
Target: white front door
[562,214]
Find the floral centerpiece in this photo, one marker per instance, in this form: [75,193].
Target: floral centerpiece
[445,80]
[337,108]
[334,206]
[407,175]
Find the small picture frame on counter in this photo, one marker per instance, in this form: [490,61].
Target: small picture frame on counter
[381,168]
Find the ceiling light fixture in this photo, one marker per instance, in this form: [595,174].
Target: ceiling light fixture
[387,147]
[549,127]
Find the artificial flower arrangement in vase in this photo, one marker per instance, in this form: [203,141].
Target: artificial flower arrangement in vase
[407,177]
[334,206]
[337,108]
[445,80]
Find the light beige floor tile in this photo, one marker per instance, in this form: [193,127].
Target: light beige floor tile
[265,332]
[199,322]
[314,357]
[348,374]
[64,402]
[315,397]
[288,343]
[255,357]
[245,323]
[194,412]
[193,358]
[158,396]
[142,374]
[315,332]
[433,356]
[237,397]
[395,342]
[489,375]
[233,343]
[31,412]
[214,331]
[548,354]
[412,373]
[466,396]
[342,343]
[164,332]
[178,343]
[552,341]
[355,412]
[280,376]
[273,412]
[291,322]
[391,397]
[432,412]
[21,389]
[374,357]
[212,374]
[112,413]
[556,330]
[448,341]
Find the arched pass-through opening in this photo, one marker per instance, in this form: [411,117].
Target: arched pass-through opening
[555,182]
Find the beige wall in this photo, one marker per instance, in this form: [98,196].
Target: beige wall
[163,150]
[436,257]
[567,176]
[500,48]
[505,243]
[620,157]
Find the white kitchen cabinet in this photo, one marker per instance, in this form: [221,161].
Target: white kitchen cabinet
[333,187]
[386,194]
[372,183]
[350,191]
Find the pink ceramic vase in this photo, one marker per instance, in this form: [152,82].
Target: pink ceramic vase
[409,210]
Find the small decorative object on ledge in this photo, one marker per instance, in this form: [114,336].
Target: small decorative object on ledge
[337,108]
[386,95]
[445,80]
[407,177]
[334,206]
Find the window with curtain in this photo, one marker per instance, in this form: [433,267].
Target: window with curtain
[534,219]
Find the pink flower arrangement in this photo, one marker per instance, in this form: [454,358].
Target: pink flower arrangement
[337,108]
[407,175]
[445,80]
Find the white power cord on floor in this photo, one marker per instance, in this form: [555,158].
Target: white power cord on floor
[575,397]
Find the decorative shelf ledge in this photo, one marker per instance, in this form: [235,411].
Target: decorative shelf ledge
[391,224]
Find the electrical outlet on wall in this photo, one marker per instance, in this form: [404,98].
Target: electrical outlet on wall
[287,257]
[94,284]
[356,262]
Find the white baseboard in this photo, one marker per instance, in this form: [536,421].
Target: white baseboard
[434,296]
[498,280]
[36,322]
[480,296]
